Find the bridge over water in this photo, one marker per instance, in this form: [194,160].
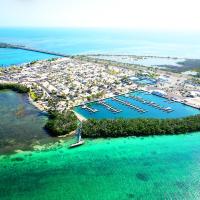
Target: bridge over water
[15,46]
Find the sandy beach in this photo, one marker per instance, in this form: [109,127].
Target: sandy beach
[36,104]
[80,117]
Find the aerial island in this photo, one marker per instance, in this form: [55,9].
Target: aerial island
[63,86]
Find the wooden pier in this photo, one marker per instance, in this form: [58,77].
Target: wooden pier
[89,109]
[126,103]
[109,107]
[150,103]
[15,46]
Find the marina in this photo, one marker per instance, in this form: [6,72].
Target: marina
[136,104]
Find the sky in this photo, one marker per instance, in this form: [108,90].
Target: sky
[130,14]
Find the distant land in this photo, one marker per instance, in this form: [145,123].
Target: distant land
[177,64]
[16,46]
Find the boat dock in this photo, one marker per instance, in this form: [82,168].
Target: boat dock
[89,109]
[109,107]
[126,103]
[79,138]
[150,103]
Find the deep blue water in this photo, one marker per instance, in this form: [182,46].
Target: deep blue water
[179,109]
[83,41]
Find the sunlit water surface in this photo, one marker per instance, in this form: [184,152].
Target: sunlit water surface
[73,41]
[162,167]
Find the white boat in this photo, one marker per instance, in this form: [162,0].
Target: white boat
[77,144]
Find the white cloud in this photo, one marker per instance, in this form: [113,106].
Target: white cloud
[145,14]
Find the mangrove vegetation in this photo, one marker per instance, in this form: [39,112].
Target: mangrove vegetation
[15,87]
[61,123]
[93,128]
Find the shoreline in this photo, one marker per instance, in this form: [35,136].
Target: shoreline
[36,104]
[106,128]
[104,55]
[80,117]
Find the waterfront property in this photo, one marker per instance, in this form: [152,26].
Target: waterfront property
[138,104]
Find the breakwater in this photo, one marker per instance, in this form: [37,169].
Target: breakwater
[22,47]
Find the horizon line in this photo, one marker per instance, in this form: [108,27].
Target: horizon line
[104,28]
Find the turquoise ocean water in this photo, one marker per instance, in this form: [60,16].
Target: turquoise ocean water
[153,168]
[163,167]
[83,41]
